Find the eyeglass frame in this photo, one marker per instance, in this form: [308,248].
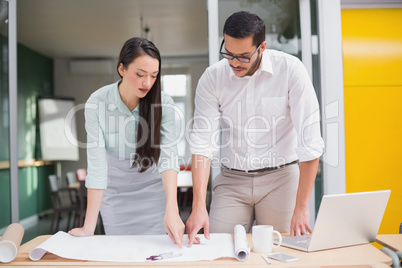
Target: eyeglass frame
[232,57]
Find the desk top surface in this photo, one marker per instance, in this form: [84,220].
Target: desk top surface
[392,241]
[360,256]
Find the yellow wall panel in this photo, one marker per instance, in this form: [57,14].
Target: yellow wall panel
[373,134]
[372,46]
[372,55]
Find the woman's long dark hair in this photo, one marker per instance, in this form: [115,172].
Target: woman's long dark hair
[148,152]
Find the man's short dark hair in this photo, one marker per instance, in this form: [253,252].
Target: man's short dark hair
[243,24]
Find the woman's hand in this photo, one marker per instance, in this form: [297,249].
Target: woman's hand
[174,226]
[91,217]
[81,232]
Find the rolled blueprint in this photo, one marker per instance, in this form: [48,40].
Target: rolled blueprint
[10,242]
[242,248]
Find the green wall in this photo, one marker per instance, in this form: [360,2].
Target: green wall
[35,77]
[5,211]
[5,204]
[33,190]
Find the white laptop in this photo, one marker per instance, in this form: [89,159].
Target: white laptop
[344,220]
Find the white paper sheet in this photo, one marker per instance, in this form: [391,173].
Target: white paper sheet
[132,248]
[242,248]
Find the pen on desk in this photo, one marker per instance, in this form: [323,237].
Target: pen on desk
[266,259]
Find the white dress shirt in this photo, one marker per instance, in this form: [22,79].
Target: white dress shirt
[264,120]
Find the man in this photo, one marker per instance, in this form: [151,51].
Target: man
[265,104]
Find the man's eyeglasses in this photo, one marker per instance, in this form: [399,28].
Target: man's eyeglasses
[239,58]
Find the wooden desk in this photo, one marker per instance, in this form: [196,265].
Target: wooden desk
[391,241]
[75,185]
[355,256]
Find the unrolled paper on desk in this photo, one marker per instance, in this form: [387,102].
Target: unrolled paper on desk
[126,248]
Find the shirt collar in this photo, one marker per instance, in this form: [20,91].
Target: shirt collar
[265,66]
[115,96]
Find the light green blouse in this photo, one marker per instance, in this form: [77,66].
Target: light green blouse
[112,130]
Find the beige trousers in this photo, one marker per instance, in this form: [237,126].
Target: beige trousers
[266,198]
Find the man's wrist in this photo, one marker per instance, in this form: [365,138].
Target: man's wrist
[199,204]
[301,205]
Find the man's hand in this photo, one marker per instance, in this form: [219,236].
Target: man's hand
[300,222]
[199,216]
[301,215]
[198,219]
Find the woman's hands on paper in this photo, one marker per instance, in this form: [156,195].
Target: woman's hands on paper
[174,226]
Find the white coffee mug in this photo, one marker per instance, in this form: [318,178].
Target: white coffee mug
[263,238]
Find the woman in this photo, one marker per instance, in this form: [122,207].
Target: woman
[131,144]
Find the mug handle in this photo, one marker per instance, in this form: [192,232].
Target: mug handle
[280,239]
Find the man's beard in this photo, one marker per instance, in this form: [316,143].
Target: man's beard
[252,68]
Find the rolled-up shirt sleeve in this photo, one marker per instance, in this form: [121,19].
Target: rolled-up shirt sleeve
[96,150]
[168,157]
[305,114]
[206,119]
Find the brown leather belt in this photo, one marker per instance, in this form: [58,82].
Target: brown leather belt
[261,169]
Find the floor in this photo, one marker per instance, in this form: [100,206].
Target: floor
[42,226]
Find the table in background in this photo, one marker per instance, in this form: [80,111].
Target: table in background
[184,179]
[360,256]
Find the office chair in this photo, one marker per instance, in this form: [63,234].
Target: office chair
[71,178]
[395,256]
[73,184]
[59,205]
[81,174]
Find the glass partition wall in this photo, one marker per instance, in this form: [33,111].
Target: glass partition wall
[282,21]
[5,199]
[9,204]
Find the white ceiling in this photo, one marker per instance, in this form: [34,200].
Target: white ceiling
[98,28]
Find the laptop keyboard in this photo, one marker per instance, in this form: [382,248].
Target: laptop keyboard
[302,241]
